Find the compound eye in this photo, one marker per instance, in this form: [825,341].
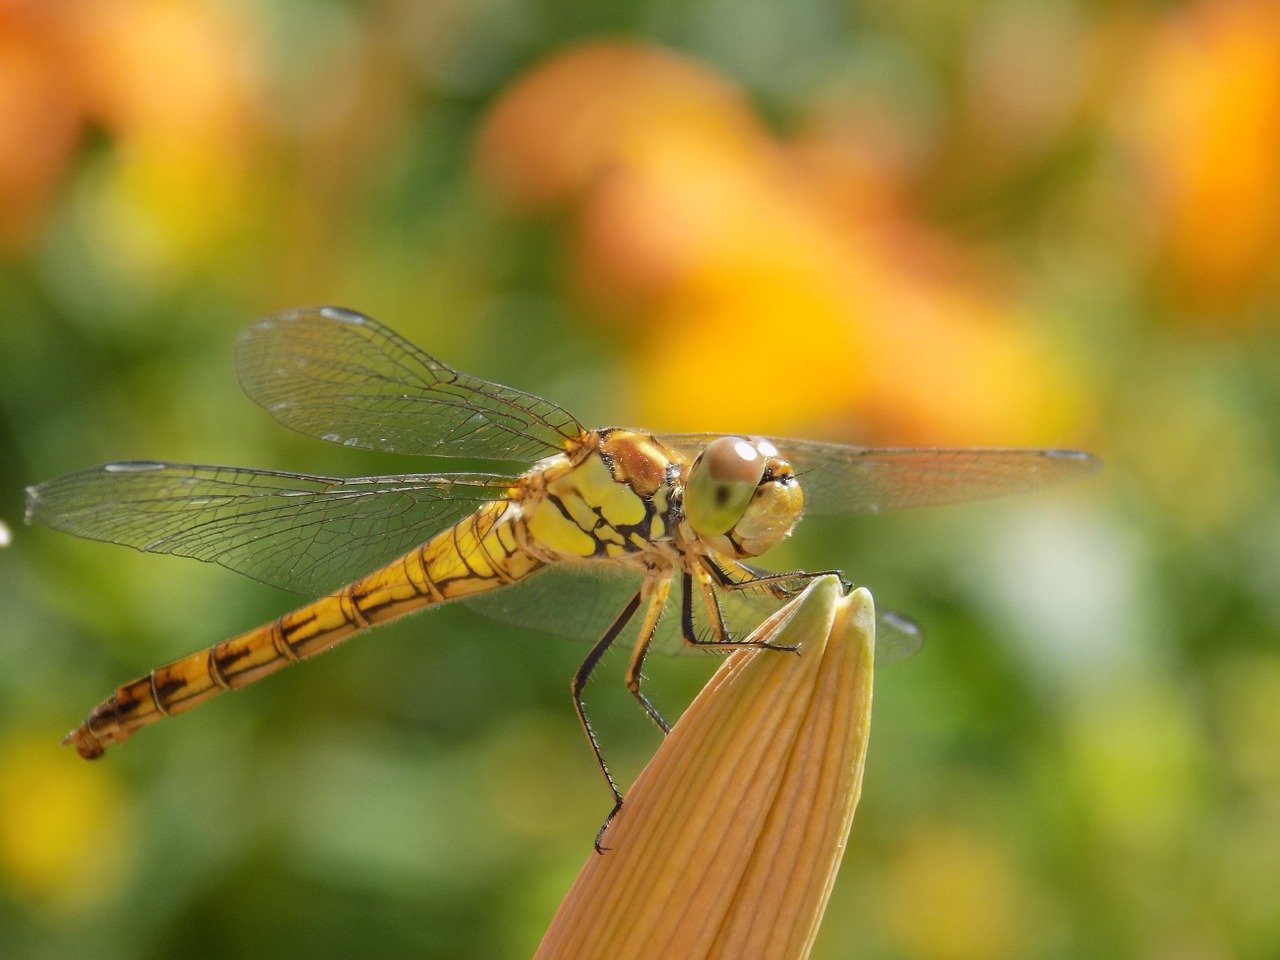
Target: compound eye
[721,483]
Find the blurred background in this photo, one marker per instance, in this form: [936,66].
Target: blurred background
[997,222]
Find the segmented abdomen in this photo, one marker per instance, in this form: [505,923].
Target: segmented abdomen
[479,553]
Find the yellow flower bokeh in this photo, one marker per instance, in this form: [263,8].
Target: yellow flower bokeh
[744,295]
[64,830]
[951,894]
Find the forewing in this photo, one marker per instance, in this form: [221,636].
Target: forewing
[837,478]
[303,533]
[340,376]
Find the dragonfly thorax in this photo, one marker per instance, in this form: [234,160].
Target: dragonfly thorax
[740,498]
[610,498]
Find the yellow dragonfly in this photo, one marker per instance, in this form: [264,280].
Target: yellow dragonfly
[652,510]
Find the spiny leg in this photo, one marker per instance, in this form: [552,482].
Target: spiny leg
[660,589]
[580,679]
[720,637]
[738,576]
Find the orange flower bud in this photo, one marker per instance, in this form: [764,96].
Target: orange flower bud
[728,844]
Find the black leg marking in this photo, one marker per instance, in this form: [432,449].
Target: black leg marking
[580,679]
[722,640]
[779,585]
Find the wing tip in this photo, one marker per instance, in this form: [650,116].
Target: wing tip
[1086,460]
[32,495]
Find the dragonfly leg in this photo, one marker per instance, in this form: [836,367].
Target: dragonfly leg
[580,679]
[720,636]
[661,589]
[782,586]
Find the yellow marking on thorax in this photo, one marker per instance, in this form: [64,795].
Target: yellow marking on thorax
[567,517]
[553,531]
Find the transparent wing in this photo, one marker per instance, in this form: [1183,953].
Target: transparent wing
[580,601]
[306,534]
[844,479]
[340,376]
[574,600]
[897,637]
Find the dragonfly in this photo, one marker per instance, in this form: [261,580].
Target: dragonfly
[596,516]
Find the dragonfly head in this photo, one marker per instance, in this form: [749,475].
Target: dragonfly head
[740,497]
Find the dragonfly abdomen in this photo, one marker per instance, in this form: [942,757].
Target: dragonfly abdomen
[479,553]
[178,686]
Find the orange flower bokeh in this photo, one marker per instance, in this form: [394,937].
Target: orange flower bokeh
[729,842]
[172,85]
[758,295]
[1203,126]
